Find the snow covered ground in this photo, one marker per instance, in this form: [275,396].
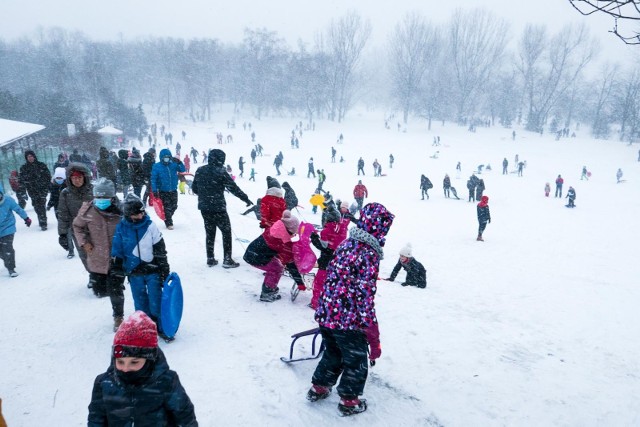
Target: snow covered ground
[536,326]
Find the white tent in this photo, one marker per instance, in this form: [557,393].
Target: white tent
[11,130]
[110,130]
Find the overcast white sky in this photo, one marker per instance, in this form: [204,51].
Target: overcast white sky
[292,19]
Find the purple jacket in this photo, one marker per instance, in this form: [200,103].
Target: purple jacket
[347,299]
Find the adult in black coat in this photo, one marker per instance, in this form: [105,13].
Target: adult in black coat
[148,160]
[289,196]
[35,178]
[105,166]
[209,184]
[136,172]
[416,273]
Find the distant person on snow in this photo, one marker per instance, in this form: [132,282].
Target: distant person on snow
[484,216]
[360,193]
[416,273]
[425,185]
[547,189]
[446,184]
[559,182]
[571,195]
[619,175]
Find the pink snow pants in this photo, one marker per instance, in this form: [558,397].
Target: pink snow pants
[273,270]
[318,282]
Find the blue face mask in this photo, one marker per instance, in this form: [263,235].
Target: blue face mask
[166,159]
[59,181]
[102,204]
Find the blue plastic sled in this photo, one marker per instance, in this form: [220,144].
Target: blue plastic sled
[171,310]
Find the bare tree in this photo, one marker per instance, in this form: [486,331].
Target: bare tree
[345,39]
[625,11]
[413,47]
[549,67]
[628,107]
[601,109]
[263,56]
[477,42]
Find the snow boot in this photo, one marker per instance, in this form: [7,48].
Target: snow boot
[318,392]
[212,261]
[480,239]
[351,406]
[229,263]
[13,273]
[165,337]
[70,255]
[117,321]
[269,295]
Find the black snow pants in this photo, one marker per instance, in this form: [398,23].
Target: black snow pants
[106,284]
[213,220]
[345,354]
[7,253]
[170,203]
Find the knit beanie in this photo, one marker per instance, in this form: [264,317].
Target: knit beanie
[272,182]
[344,205]
[406,251]
[137,336]
[290,222]
[60,173]
[104,188]
[132,205]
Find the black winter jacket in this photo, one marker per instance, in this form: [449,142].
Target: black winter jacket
[148,160]
[210,182]
[160,401]
[416,273]
[35,177]
[290,197]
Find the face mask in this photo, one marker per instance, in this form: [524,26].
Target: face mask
[59,181]
[137,377]
[166,159]
[102,204]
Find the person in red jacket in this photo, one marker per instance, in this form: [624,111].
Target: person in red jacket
[273,204]
[360,193]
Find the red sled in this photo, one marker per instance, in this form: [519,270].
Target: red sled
[157,206]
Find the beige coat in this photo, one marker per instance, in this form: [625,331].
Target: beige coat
[97,227]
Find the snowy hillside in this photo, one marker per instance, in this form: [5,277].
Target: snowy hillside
[536,326]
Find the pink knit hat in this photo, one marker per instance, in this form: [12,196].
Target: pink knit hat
[290,222]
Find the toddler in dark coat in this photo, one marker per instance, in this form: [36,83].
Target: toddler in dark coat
[416,273]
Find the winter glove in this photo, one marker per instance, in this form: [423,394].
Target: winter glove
[249,203]
[63,240]
[315,239]
[163,269]
[49,207]
[116,268]
[27,222]
[373,338]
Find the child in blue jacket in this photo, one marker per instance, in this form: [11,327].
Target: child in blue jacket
[7,229]
[138,251]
